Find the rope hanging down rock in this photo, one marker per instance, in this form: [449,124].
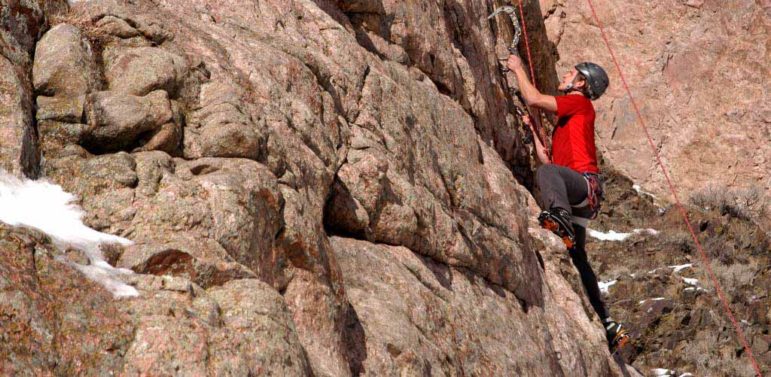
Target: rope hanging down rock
[511,12]
[683,212]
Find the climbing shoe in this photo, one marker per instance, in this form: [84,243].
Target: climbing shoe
[557,220]
[617,336]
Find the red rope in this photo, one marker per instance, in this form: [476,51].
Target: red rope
[540,134]
[527,44]
[684,213]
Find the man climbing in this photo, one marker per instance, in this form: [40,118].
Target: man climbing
[570,188]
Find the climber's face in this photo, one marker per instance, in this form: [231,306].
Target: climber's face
[569,81]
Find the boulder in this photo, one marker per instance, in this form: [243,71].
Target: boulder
[202,261]
[261,327]
[419,317]
[222,126]
[141,70]
[62,109]
[116,121]
[64,63]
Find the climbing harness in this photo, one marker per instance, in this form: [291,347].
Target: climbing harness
[595,195]
[683,212]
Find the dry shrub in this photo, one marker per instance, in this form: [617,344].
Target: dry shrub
[745,204]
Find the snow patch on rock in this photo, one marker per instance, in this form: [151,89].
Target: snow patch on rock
[605,285]
[678,268]
[652,299]
[48,208]
[616,236]
[661,372]
[691,281]
[637,188]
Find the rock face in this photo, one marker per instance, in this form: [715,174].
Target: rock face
[64,63]
[21,25]
[666,298]
[312,188]
[695,69]
[419,317]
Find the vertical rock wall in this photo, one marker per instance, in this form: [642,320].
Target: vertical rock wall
[329,181]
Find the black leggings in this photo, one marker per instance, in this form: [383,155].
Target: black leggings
[588,278]
[560,187]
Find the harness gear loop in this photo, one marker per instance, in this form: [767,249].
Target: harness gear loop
[594,197]
[595,194]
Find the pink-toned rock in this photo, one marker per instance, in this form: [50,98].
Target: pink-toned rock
[697,85]
[203,261]
[64,63]
[221,127]
[52,319]
[262,328]
[141,70]
[116,121]
[420,317]
[296,130]
[19,151]
[21,24]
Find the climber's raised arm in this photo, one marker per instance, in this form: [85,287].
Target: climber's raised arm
[532,96]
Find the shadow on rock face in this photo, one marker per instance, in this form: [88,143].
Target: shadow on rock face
[355,340]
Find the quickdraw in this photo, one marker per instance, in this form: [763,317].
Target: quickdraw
[512,13]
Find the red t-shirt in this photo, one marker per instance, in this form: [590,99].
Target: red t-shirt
[573,138]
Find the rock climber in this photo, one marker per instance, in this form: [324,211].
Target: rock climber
[568,179]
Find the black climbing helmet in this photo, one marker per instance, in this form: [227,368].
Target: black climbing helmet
[596,79]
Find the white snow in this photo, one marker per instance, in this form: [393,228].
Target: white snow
[690,281]
[640,191]
[697,289]
[605,285]
[615,236]
[661,372]
[48,208]
[681,267]
[609,236]
[652,299]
